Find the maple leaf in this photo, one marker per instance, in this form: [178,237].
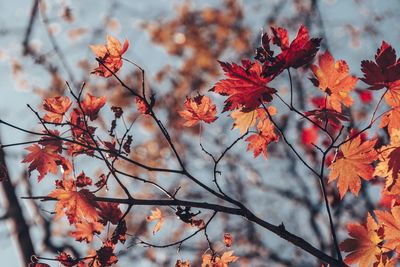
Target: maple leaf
[391,120]
[142,106]
[110,55]
[78,205]
[56,107]
[119,233]
[110,212]
[244,85]
[227,257]
[309,136]
[334,79]
[65,259]
[156,216]
[266,135]
[244,120]
[392,97]
[180,263]
[299,53]
[388,163]
[391,225]
[85,231]
[354,161]
[82,180]
[366,97]
[228,239]
[52,143]
[364,244]
[44,160]
[385,69]
[91,105]
[105,255]
[199,108]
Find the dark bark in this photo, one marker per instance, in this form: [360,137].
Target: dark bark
[14,213]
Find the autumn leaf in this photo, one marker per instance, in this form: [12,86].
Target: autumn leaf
[180,263]
[85,231]
[51,141]
[156,216]
[77,205]
[56,107]
[228,239]
[391,225]
[105,256]
[245,120]
[353,162]
[227,257]
[65,259]
[142,106]
[385,69]
[43,159]
[244,85]
[309,136]
[365,96]
[391,120]
[91,105]
[199,108]
[388,165]
[334,79]
[110,55]
[110,212]
[299,53]
[266,135]
[363,244]
[119,233]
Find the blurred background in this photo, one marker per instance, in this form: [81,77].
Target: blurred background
[45,43]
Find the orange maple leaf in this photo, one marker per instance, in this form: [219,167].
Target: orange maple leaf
[110,55]
[364,244]
[91,105]
[85,231]
[354,161]
[44,160]
[78,205]
[227,257]
[199,108]
[56,107]
[334,79]
[388,163]
[244,85]
[259,142]
[392,97]
[245,120]
[391,119]
[156,216]
[391,226]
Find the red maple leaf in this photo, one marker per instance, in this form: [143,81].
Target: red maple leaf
[91,105]
[44,160]
[244,85]
[299,53]
[110,212]
[385,69]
